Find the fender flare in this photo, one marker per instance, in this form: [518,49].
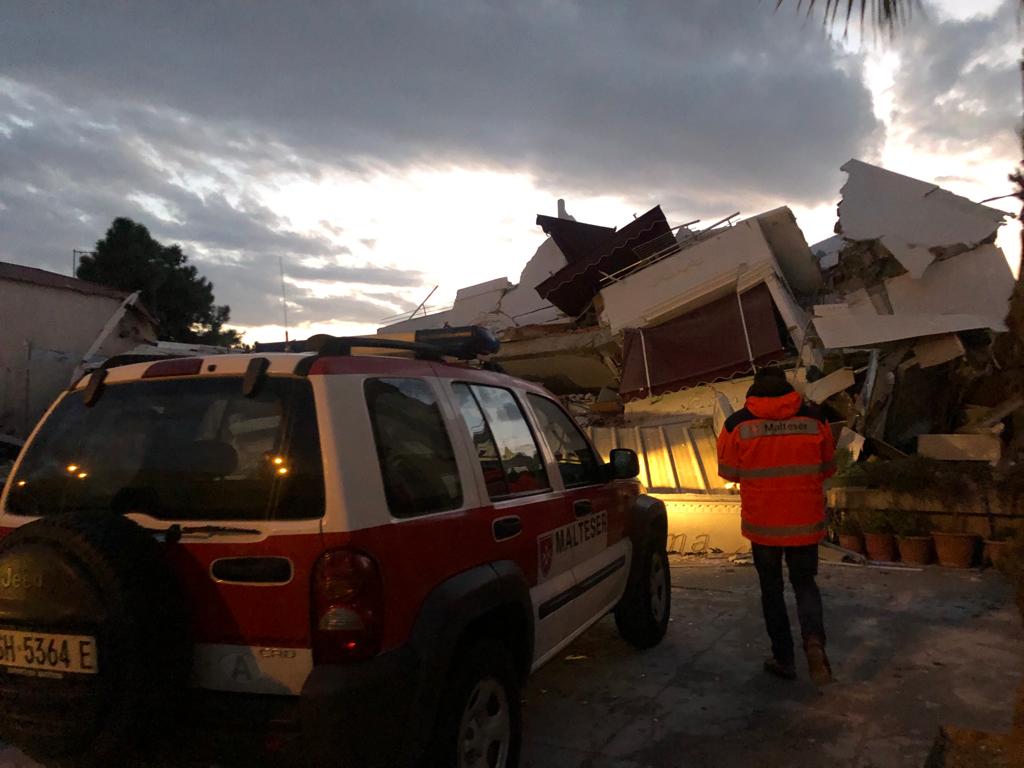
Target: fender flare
[452,608]
[647,514]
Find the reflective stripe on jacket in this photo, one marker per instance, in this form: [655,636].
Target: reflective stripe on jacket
[780,451]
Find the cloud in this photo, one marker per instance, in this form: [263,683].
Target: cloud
[959,83]
[587,96]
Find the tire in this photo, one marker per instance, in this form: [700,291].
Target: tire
[643,613]
[484,691]
[103,576]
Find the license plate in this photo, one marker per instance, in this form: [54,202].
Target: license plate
[46,653]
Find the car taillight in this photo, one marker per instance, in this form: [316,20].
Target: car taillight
[348,601]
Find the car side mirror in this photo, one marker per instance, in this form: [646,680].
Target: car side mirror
[623,464]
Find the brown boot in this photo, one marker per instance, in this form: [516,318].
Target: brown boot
[817,662]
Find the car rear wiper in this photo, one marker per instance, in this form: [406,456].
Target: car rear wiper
[177,532]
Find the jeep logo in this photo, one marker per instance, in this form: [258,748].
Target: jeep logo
[12,579]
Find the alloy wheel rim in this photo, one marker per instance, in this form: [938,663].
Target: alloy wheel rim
[485,732]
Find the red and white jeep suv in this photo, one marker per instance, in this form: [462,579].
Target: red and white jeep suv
[358,552]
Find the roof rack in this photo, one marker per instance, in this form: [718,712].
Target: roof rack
[463,343]
[342,346]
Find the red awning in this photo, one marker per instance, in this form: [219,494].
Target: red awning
[701,346]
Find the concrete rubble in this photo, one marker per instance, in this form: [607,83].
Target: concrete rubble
[651,332]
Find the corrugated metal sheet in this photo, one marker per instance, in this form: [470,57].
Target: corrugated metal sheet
[675,457]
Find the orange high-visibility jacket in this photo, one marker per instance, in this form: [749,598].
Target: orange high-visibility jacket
[780,451]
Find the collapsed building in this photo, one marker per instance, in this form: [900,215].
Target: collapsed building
[650,333]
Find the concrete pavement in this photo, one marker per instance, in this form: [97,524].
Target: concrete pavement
[910,650]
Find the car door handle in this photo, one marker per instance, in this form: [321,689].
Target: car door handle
[583,507]
[506,528]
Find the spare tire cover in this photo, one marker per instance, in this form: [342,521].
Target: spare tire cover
[88,575]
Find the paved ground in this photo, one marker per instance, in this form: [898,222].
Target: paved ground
[910,650]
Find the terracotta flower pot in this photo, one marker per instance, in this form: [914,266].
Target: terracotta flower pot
[916,550]
[994,551]
[880,546]
[852,541]
[955,550]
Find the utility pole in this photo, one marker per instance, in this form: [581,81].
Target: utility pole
[75,253]
[284,301]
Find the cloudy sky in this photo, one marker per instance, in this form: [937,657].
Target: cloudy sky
[382,149]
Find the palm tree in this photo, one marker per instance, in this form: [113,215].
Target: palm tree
[884,14]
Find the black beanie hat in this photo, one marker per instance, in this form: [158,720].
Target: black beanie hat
[770,382]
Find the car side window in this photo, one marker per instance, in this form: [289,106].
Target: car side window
[417,461]
[576,461]
[483,442]
[508,453]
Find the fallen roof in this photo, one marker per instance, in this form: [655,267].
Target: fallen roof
[573,287]
[45,279]
[574,239]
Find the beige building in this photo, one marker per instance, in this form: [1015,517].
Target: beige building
[50,324]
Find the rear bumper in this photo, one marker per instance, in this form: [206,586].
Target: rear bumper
[376,713]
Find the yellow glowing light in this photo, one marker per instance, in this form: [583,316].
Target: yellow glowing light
[730,486]
[72,468]
[82,475]
[22,483]
[282,470]
[278,460]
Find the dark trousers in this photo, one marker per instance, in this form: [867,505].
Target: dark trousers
[802,563]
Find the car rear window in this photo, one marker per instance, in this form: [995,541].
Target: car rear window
[417,461]
[178,449]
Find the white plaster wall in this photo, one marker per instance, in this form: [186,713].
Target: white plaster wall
[689,279]
[523,305]
[877,202]
[978,282]
[61,326]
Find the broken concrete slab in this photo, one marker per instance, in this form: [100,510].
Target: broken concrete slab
[851,442]
[914,258]
[862,330]
[734,259]
[960,447]
[936,350]
[980,419]
[565,360]
[978,282]
[821,390]
[877,203]
[794,256]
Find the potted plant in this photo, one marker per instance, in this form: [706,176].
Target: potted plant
[913,533]
[996,546]
[850,535]
[879,540]
[955,548]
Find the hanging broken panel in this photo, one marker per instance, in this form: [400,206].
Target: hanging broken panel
[660,467]
[707,450]
[687,467]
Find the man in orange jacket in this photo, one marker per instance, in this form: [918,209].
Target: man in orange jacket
[780,451]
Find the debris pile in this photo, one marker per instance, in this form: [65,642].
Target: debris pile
[653,330]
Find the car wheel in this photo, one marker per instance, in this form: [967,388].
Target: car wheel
[643,613]
[480,722]
[97,594]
